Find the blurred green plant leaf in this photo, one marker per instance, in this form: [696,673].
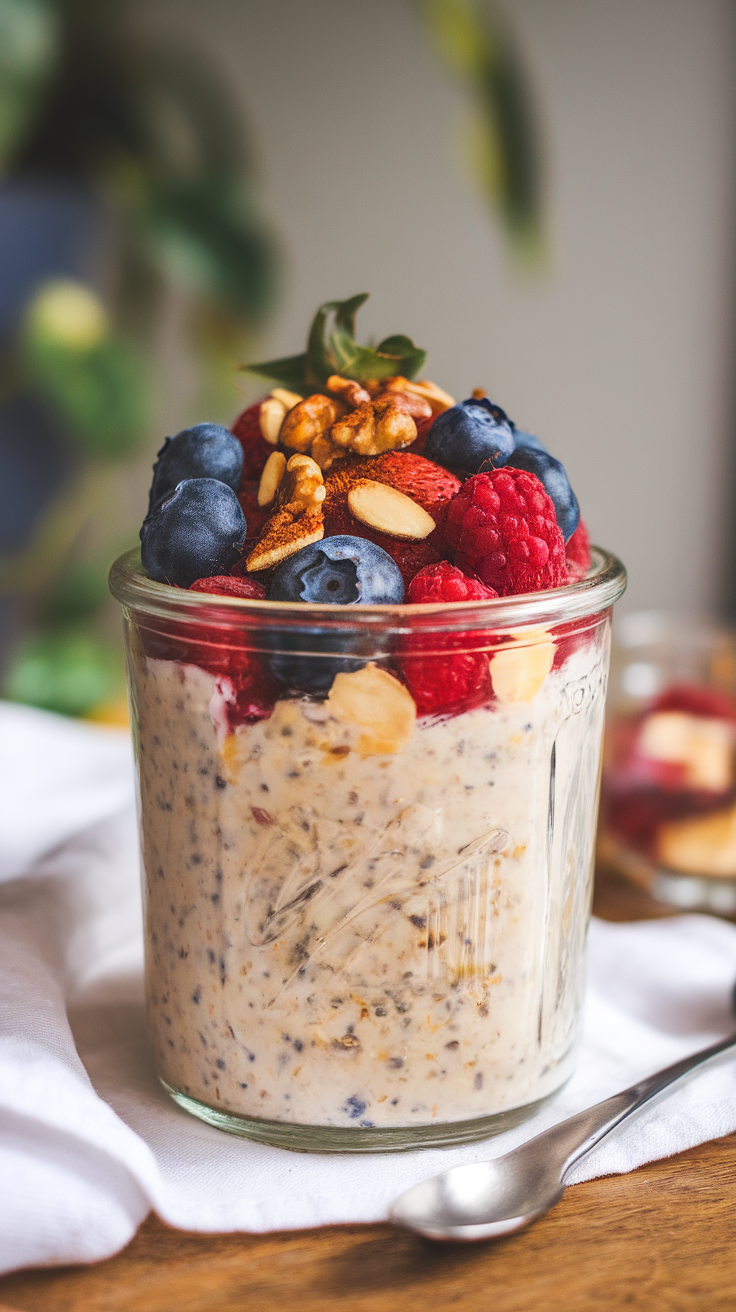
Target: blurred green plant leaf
[207,236]
[28,52]
[79,593]
[66,670]
[476,44]
[101,394]
[336,352]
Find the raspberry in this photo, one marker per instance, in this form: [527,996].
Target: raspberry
[502,527]
[256,449]
[228,585]
[444,582]
[577,554]
[442,679]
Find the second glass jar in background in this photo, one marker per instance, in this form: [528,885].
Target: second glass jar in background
[668,815]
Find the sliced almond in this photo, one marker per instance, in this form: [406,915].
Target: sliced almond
[705,845]
[518,672]
[439,400]
[389,511]
[703,746]
[270,417]
[376,703]
[273,472]
[287,399]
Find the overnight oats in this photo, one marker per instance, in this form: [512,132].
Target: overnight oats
[367,681]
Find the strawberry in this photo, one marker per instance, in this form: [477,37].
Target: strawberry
[256,449]
[255,516]
[426,483]
[229,585]
[420,441]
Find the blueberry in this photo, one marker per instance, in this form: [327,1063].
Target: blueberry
[527,439]
[338,571]
[205,451]
[556,484]
[197,531]
[470,437]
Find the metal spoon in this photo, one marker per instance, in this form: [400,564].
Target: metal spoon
[486,1200]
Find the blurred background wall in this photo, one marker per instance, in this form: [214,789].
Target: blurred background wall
[619,354]
[616,349]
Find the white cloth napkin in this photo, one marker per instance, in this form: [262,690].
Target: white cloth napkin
[89,1142]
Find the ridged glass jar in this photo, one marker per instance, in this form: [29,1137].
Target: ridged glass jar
[365,926]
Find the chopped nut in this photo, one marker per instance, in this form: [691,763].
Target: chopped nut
[309,419]
[518,672]
[394,426]
[288,399]
[416,406]
[376,426]
[326,453]
[348,389]
[389,511]
[270,417]
[302,485]
[377,703]
[438,399]
[273,472]
[298,519]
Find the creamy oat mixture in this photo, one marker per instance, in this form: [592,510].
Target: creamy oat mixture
[340,939]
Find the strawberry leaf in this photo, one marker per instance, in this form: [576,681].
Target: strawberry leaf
[338,353]
[290,371]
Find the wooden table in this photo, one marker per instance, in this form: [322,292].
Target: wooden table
[661,1238]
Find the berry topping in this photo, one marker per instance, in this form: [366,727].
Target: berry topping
[503,528]
[527,439]
[445,582]
[695,699]
[441,679]
[555,482]
[256,450]
[338,571]
[469,437]
[229,585]
[197,532]
[205,451]
[577,554]
[256,516]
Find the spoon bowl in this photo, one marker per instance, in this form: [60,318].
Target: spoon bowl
[486,1200]
[483,1200]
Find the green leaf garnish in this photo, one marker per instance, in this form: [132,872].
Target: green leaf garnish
[337,352]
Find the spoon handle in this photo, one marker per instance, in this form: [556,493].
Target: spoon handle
[574,1138]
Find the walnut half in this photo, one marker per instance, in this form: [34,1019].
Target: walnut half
[374,427]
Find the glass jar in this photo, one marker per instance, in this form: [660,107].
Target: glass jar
[668,818]
[365,910]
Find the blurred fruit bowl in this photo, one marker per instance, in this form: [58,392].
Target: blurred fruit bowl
[668,801]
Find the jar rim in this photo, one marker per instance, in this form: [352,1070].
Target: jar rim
[603,584]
